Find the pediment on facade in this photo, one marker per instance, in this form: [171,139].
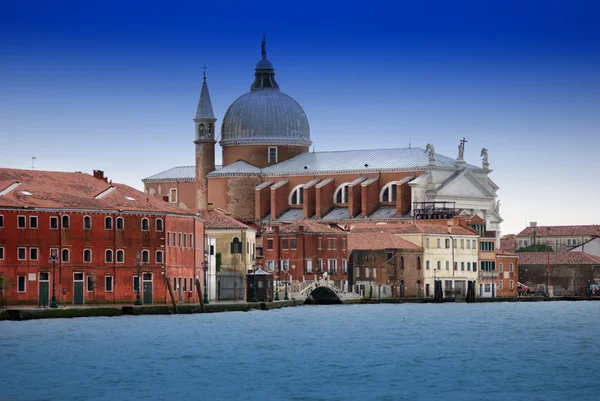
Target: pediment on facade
[463,184]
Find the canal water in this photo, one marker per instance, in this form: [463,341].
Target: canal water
[501,351]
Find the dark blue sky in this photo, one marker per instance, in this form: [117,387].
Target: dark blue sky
[114,85]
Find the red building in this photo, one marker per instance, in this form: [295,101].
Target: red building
[307,251]
[98,229]
[508,273]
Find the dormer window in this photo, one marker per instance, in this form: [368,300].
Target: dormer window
[272,154]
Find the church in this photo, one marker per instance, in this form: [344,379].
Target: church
[270,176]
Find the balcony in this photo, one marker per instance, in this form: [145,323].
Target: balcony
[488,274]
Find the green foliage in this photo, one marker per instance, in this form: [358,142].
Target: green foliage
[536,248]
[219,259]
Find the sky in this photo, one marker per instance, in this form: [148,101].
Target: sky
[114,85]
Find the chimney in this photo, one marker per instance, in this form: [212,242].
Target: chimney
[300,229]
[99,174]
[450,224]
[210,206]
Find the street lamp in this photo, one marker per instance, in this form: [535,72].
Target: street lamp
[52,259]
[254,283]
[138,264]
[205,267]
[286,298]
[277,281]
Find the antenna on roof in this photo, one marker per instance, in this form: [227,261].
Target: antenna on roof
[409,140]
[33,162]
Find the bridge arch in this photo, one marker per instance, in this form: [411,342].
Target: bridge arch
[323,296]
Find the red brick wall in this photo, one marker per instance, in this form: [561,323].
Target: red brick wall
[310,198]
[131,240]
[205,163]
[262,200]
[279,200]
[186,191]
[258,155]
[354,202]
[403,199]
[369,197]
[324,198]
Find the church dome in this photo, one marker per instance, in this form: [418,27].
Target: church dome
[265,116]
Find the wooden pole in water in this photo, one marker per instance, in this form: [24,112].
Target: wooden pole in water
[168,283]
[199,289]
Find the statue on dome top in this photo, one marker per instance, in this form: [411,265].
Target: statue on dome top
[264,47]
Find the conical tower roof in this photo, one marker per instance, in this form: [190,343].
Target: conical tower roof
[205,109]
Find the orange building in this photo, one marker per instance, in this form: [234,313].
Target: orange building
[97,229]
[307,251]
[508,273]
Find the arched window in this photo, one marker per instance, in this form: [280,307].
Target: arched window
[87,256]
[65,256]
[120,256]
[108,256]
[402,262]
[159,224]
[108,223]
[341,194]
[120,223]
[201,128]
[87,223]
[66,221]
[159,256]
[388,193]
[297,195]
[145,224]
[145,257]
[236,246]
[418,263]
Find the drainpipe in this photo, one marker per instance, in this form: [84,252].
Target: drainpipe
[114,259]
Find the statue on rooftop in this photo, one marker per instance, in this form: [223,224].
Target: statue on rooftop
[484,154]
[429,148]
[264,48]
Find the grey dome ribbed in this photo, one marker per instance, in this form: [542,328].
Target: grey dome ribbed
[265,116]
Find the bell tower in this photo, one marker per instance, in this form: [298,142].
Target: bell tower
[204,123]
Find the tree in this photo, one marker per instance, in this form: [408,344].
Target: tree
[536,248]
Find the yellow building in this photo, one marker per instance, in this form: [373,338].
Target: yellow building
[231,250]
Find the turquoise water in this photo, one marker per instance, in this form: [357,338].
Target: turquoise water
[502,351]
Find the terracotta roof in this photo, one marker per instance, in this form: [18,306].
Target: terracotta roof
[500,252]
[561,231]
[65,190]
[508,243]
[377,240]
[415,228]
[310,227]
[557,258]
[216,219]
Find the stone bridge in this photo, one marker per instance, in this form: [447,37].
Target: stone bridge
[322,293]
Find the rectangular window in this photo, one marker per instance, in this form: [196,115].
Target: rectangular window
[168,238]
[21,221]
[500,284]
[269,245]
[510,267]
[173,195]
[474,244]
[439,265]
[21,284]
[90,284]
[474,266]
[374,273]
[344,266]
[447,265]
[447,243]
[292,244]
[426,242]
[184,285]
[108,283]
[174,239]
[462,243]
[284,244]
[54,223]
[468,244]
[33,254]
[456,266]
[136,283]
[179,240]
[501,267]
[272,154]
[438,243]
[1,221]
[191,285]
[320,265]
[343,243]
[319,240]
[454,242]
[568,242]
[511,284]
[191,240]
[185,240]
[309,266]
[33,222]
[427,265]
[22,253]
[333,242]
[285,265]
[366,272]
[1,253]
[462,266]
[212,249]
[389,257]
[270,265]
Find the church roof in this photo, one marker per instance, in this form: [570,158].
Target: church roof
[180,173]
[239,167]
[205,109]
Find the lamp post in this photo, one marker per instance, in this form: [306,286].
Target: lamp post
[286,298]
[277,281]
[52,259]
[254,283]
[138,264]
[205,267]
